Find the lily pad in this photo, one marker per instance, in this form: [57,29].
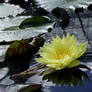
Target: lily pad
[12,35]
[37,21]
[17,48]
[10,23]
[23,47]
[11,31]
[12,28]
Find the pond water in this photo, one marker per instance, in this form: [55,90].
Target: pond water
[50,4]
[9,23]
[73,80]
[68,80]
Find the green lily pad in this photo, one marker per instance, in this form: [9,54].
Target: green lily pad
[11,31]
[37,21]
[12,28]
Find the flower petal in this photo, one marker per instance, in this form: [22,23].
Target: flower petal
[61,53]
[73,64]
[82,48]
[48,71]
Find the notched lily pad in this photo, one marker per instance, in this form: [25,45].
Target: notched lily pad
[31,88]
[35,22]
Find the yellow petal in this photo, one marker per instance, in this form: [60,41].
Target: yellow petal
[82,48]
[73,64]
[61,53]
[48,71]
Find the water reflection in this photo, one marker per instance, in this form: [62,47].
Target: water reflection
[26,4]
[51,4]
[70,77]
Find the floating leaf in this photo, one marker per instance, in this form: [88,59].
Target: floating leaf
[12,28]
[22,47]
[11,32]
[37,21]
[11,22]
[31,88]
[17,48]
[19,55]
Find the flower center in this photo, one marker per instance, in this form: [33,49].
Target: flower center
[60,54]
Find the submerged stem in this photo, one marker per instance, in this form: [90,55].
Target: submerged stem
[82,26]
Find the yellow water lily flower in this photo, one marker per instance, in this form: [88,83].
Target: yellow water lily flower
[62,53]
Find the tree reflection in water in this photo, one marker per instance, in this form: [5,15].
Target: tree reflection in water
[70,77]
